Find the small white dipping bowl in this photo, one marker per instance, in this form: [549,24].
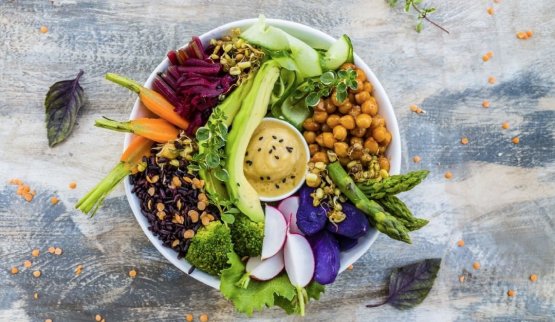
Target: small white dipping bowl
[316,39]
[307,154]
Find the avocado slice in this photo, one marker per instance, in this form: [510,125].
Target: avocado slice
[253,109]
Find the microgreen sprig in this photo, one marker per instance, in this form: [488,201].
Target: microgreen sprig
[315,88]
[422,13]
[212,138]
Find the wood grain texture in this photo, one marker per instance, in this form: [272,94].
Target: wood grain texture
[500,200]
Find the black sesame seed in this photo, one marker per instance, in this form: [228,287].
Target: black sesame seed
[277,186]
[268,178]
[247,154]
[292,177]
[289,149]
[273,147]
[238,185]
[270,151]
[261,178]
[260,138]
[274,137]
[275,156]
[280,140]
[249,162]
[259,149]
[284,180]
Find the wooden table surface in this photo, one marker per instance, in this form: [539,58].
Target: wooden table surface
[500,199]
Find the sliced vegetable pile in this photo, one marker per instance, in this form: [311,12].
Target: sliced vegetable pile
[188,165]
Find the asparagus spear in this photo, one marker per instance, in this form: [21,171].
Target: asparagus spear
[374,189]
[397,208]
[382,220]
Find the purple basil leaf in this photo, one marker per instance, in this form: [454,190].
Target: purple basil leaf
[409,285]
[63,101]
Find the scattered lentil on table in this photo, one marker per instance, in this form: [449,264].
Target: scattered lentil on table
[511,293]
[460,243]
[448,175]
[476,265]
[533,277]
[485,104]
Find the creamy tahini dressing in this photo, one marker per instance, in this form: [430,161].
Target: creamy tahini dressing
[275,160]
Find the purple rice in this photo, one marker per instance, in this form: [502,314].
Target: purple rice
[165,229]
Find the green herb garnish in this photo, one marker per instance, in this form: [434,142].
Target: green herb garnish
[212,137]
[422,13]
[315,88]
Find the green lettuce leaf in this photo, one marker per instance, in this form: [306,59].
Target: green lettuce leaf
[259,294]
[313,291]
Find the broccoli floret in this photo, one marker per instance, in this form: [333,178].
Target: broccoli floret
[209,248]
[247,236]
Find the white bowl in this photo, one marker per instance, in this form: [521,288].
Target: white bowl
[316,39]
[307,153]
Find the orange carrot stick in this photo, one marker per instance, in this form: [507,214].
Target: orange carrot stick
[155,102]
[129,161]
[157,130]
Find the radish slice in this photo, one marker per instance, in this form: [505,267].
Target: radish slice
[288,208]
[299,260]
[264,270]
[275,232]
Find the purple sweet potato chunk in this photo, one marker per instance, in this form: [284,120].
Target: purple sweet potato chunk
[354,226]
[310,219]
[326,255]
[346,243]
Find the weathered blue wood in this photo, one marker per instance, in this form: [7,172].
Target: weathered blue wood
[500,200]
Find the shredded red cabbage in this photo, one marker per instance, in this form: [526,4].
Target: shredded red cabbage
[193,83]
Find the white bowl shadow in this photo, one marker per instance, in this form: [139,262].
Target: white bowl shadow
[316,39]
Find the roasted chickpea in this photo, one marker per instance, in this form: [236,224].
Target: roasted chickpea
[371,145]
[344,160]
[355,111]
[313,148]
[363,121]
[319,117]
[370,107]
[326,128]
[348,122]
[358,132]
[360,75]
[384,163]
[310,125]
[340,133]
[330,108]
[320,106]
[335,101]
[345,108]
[387,139]
[347,66]
[377,121]
[328,140]
[309,136]
[352,98]
[360,86]
[355,140]
[320,157]
[320,139]
[362,97]
[356,154]
[379,134]
[341,149]
[368,87]
[333,120]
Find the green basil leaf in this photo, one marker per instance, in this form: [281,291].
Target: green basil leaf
[342,73]
[341,96]
[228,218]
[312,99]
[327,78]
[419,26]
[341,87]
[63,101]
[233,211]
[409,285]
[221,174]
[203,134]
[212,160]
[222,128]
